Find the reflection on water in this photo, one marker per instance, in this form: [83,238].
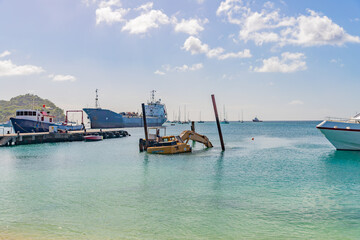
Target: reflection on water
[219,165]
[343,156]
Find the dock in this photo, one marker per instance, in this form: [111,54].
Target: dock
[51,137]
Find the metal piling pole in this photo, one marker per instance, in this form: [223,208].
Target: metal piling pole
[145,124]
[218,122]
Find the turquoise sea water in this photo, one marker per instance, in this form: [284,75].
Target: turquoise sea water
[287,183]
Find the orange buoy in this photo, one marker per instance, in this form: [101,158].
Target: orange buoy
[252,139]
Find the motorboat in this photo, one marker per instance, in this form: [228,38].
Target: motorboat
[343,134]
[89,138]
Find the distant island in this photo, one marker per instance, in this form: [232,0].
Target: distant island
[28,101]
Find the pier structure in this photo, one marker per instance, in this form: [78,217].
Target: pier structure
[50,137]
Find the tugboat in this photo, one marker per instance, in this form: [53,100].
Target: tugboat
[256,120]
[29,121]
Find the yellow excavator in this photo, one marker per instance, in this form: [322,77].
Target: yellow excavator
[173,144]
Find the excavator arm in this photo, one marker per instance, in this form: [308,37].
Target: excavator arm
[191,135]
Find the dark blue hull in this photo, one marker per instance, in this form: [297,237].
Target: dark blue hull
[103,118]
[29,126]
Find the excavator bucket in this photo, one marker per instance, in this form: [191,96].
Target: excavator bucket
[191,135]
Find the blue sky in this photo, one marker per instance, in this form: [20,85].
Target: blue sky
[278,60]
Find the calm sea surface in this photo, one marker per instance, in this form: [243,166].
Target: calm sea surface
[287,183]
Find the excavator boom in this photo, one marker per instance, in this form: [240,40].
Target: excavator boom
[191,135]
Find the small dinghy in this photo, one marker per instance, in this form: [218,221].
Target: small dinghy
[93,138]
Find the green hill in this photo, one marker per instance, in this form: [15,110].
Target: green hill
[28,101]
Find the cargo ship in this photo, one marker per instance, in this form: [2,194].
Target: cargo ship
[103,118]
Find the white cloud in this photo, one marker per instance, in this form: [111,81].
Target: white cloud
[337,61]
[4,54]
[195,46]
[109,16]
[191,26]
[242,54]
[146,7]
[111,12]
[296,102]
[186,68]
[62,78]
[269,5]
[7,69]
[200,1]
[109,3]
[289,62]
[158,72]
[106,13]
[146,21]
[268,25]
[318,30]
[183,68]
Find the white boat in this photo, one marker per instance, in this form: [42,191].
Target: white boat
[343,134]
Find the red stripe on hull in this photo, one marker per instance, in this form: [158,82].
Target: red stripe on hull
[340,129]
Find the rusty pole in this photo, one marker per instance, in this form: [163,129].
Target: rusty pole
[145,124]
[218,122]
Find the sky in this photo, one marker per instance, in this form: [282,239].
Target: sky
[277,60]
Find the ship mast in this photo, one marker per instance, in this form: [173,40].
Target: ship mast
[153,96]
[97,105]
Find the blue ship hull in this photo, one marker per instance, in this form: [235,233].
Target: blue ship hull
[103,118]
[29,126]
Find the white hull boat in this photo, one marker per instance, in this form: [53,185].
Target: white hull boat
[343,134]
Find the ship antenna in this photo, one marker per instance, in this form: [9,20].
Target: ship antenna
[97,105]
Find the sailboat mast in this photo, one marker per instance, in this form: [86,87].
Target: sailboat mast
[224,113]
[185,113]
